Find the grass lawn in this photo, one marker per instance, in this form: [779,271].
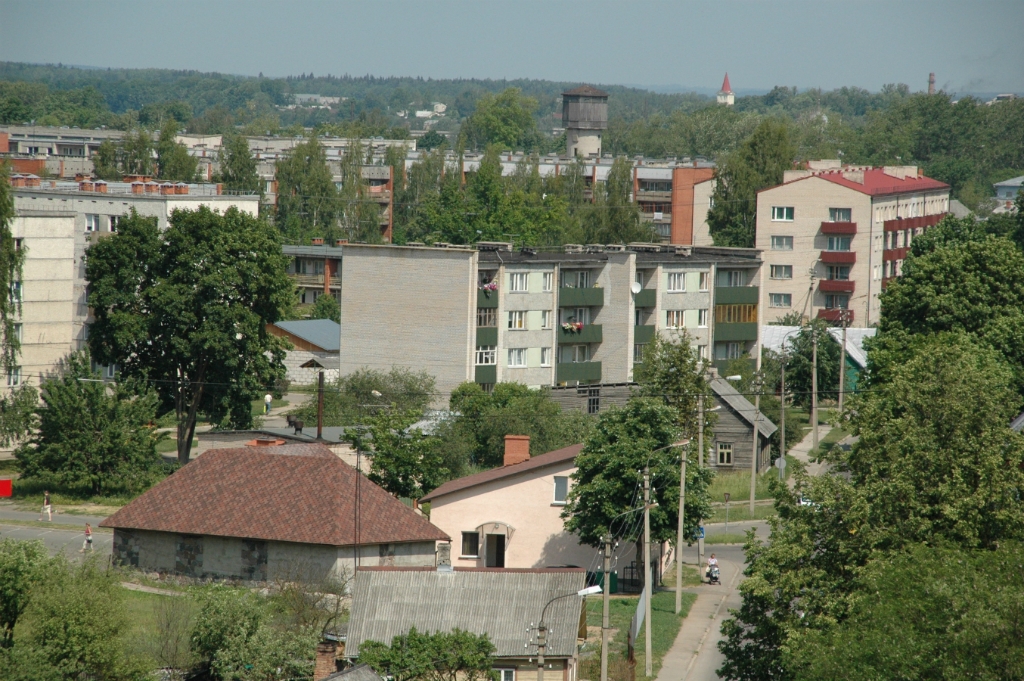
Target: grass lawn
[825,443]
[257,406]
[690,576]
[169,445]
[160,626]
[737,484]
[664,627]
[723,538]
[738,512]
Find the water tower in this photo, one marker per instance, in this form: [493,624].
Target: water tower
[584,116]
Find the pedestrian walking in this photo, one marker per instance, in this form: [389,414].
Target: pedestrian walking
[47,508]
[267,399]
[87,545]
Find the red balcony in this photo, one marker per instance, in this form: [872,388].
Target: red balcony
[835,286]
[839,257]
[836,315]
[844,228]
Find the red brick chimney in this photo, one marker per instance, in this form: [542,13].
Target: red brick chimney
[326,660]
[517,449]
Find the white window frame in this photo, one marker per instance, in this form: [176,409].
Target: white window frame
[576,278]
[783,213]
[702,351]
[18,328]
[547,281]
[704,277]
[639,277]
[781,243]
[780,300]
[676,282]
[780,272]
[834,212]
[545,319]
[702,318]
[838,269]
[517,320]
[518,282]
[486,355]
[517,358]
[545,357]
[92,222]
[638,352]
[838,241]
[726,449]
[674,319]
[557,501]
[14,377]
[506,673]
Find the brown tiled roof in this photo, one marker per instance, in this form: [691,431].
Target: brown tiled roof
[296,493]
[586,91]
[539,461]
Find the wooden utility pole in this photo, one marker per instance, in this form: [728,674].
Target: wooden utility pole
[605,622]
[782,435]
[700,428]
[757,441]
[842,365]
[679,534]
[320,407]
[648,591]
[814,389]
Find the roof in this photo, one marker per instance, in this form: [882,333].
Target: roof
[505,604]
[585,91]
[299,493]
[1012,182]
[323,333]
[878,183]
[725,83]
[741,405]
[1018,423]
[540,461]
[776,337]
[360,672]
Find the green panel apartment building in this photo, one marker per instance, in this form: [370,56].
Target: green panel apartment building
[582,316]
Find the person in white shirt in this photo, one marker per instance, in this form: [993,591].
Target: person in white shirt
[267,399]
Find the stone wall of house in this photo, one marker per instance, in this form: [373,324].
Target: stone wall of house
[294,359]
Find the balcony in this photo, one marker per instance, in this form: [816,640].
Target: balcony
[486,373]
[836,315]
[835,286]
[648,297]
[737,295]
[314,281]
[643,334]
[580,297]
[841,228]
[486,335]
[590,333]
[839,257]
[735,331]
[571,372]
[486,298]
[652,195]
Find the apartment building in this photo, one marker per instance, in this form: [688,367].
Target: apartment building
[832,236]
[579,317]
[315,270]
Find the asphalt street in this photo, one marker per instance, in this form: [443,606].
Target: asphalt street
[65,534]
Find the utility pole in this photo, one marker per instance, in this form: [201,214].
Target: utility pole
[700,428]
[842,365]
[757,441]
[814,389]
[320,407]
[542,642]
[782,435]
[605,623]
[679,534]
[648,591]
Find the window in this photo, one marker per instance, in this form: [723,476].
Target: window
[561,488]
[839,243]
[782,243]
[593,400]
[517,358]
[839,215]
[702,317]
[702,351]
[780,300]
[486,316]
[735,314]
[840,272]
[782,272]
[673,319]
[704,281]
[576,314]
[782,213]
[113,222]
[110,371]
[17,244]
[545,319]
[487,387]
[545,357]
[724,455]
[506,674]
[638,316]
[732,278]
[640,276]
[517,319]
[517,282]
[15,291]
[576,279]
[486,354]
[731,350]
[92,223]
[676,281]
[576,353]
[14,377]
[638,353]
[837,302]
[471,544]
[485,277]
[547,280]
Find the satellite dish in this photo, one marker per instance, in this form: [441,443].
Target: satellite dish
[635,287]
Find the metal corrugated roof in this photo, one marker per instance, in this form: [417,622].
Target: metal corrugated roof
[360,672]
[504,604]
[775,338]
[324,333]
[741,405]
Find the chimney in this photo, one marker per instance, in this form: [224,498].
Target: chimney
[100,186]
[444,557]
[326,660]
[517,449]
[931,83]
[318,241]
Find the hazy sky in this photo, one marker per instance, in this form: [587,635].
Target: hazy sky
[971,45]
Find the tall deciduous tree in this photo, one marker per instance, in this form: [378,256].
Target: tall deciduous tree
[188,310]
[758,163]
[173,160]
[443,656]
[12,260]
[505,119]
[799,364]
[105,163]
[137,153]
[22,565]
[307,200]
[238,165]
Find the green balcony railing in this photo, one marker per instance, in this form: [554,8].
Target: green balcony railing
[590,333]
[486,335]
[648,297]
[486,374]
[736,331]
[486,298]
[580,297]
[584,372]
[643,334]
[737,295]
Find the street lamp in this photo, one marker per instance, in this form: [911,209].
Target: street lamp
[542,629]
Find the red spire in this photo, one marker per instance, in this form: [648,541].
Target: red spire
[725,83]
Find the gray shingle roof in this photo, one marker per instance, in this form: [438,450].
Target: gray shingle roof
[324,333]
[503,604]
[360,672]
[741,405]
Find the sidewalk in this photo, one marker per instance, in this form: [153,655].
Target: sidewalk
[801,451]
[58,518]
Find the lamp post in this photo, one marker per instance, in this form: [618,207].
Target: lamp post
[542,629]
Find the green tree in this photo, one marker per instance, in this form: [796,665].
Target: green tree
[758,163]
[608,479]
[106,163]
[12,259]
[616,217]
[172,158]
[326,307]
[91,439]
[17,414]
[505,120]
[442,656]
[926,613]
[431,140]
[137,153]
[800,362]
[22,565]
[238,165]
[307,200]
[356,396]
[188,309]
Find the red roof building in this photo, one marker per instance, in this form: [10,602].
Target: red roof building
[726,95]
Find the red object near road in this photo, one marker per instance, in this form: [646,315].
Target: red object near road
[5,488]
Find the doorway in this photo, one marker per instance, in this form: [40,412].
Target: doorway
[496,550]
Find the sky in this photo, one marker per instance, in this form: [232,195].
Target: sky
[971,45]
